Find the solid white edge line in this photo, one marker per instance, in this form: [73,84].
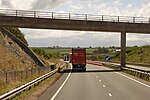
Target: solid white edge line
[133,79]
[54,96]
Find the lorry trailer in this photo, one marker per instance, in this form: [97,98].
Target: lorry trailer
[79,59]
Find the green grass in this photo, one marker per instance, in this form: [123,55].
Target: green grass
[62,51]
[89,51]
[135,55]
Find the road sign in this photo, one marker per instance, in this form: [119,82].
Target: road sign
[107,58]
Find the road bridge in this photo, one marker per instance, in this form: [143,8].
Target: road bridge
[78,22]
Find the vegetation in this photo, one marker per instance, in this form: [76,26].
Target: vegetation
[98,54]
[16,32]
[46,54]
[101,50]
[135,55]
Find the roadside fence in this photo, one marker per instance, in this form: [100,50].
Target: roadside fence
[10,77]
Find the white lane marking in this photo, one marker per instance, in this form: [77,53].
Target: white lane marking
[110,94]
[103,85]
[54,96]
[133,80]
[99,80]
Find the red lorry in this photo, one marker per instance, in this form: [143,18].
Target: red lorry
[79,59]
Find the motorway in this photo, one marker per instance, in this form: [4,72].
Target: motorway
[135,66]
[97,83]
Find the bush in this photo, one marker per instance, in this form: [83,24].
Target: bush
[46,54]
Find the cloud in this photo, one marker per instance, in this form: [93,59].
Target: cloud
[17,4]
[77,38]
[46,4]
[83,40]
[38,33]
[31,4]
[145,9]
[70,38]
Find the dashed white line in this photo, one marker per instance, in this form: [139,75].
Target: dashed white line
[54,96]
[99,80]
[133,80]
[110,94]
[104,86]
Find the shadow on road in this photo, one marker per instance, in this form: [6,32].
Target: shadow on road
[88,71]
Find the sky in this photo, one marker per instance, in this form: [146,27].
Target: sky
[49,38]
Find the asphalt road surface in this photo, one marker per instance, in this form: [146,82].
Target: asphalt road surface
[98,83]
[135,66]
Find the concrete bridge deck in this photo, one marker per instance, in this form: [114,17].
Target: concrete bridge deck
[68,21]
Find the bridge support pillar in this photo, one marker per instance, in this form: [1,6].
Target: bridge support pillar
[123,49]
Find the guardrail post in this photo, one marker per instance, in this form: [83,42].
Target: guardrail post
[102,18]
[34,14]
[118,18]
[86,17]
[16,13]
[149,20]
[52,15]
[133,19]
[53,67]
[69,16]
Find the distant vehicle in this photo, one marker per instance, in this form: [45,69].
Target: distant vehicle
[66,57]
[70,58]
[79,59]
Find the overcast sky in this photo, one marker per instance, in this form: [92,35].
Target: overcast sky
[79,38]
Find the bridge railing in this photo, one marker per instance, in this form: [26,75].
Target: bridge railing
[72,16]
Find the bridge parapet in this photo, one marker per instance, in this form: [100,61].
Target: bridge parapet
[72,16]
